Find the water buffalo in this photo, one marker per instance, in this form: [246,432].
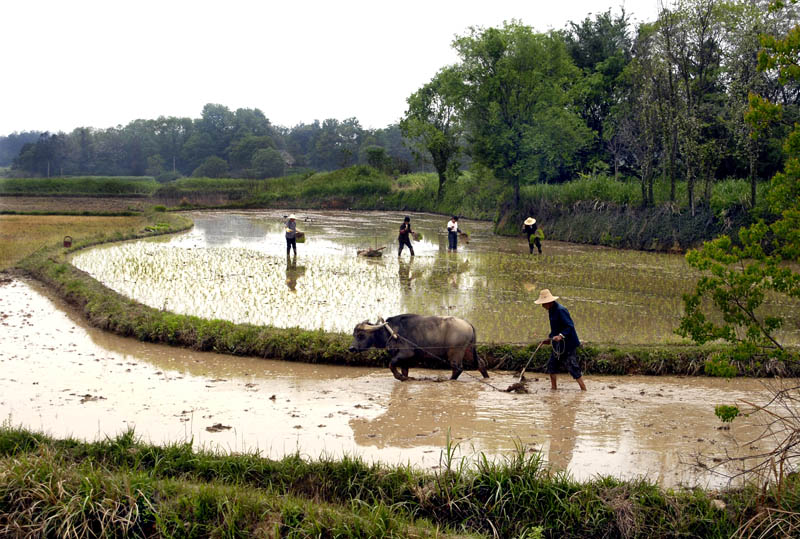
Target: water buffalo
[406,335]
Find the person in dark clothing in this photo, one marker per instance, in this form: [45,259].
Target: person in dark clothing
[291,235]
[529,227]
[404,237]
[563,338]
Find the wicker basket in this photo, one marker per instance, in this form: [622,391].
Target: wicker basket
[300,237]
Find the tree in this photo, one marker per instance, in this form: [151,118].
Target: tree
[432,124]
[268,163]
[44,158]
[337,143]
[601,48]
[218,124]
[241,151]
[737,278]
[519,104]
[376,157]
[211,167]
[11,145]
[639,118]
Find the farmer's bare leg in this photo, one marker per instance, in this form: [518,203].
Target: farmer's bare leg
[553,384]
[580,383]
[482,368]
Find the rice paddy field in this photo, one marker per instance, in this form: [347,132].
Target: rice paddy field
[21,235]
[233,266]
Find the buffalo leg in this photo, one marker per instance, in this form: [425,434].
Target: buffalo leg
[404,370]
[456,372]
[456,358]
[393,366]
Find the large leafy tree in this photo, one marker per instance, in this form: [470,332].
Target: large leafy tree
[519,104]
[432,123]
[737,279]
[601,47]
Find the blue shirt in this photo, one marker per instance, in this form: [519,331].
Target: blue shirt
[561,322]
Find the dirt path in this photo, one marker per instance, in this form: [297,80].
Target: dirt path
[62,377]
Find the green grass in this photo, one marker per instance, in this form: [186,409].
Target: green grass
[724,194]
[80,186]
[120,486]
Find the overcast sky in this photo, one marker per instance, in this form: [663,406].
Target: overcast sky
[71,63]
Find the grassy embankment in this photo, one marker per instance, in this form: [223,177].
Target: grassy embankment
[121,487]
[143,186]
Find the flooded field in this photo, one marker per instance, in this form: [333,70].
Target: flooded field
[62,377]
[234,266]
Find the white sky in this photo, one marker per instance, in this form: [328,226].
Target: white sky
[71,63]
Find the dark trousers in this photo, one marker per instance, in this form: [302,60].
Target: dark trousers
[404,240]
[570,360]
[536,242]
[452,240]
[291,243]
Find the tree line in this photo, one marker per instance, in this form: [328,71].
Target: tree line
[676,98]
[240,143]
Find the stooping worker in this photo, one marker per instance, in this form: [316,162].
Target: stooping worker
[563,338]
[529,227]
[404,237]
[291,235]
[452,233]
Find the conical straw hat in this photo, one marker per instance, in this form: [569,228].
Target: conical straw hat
[530,221]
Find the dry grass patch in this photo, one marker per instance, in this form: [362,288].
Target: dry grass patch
[21,235]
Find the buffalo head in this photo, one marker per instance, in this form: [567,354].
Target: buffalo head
[367,335]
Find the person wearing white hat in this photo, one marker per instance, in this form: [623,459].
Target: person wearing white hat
[563,338]
[452,234]
[291,234]
[529,227]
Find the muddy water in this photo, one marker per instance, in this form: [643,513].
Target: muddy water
[234,266]
[62,377]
